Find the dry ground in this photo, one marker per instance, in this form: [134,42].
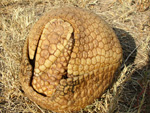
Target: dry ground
[130,92]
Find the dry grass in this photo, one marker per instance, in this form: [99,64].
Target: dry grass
[131,89]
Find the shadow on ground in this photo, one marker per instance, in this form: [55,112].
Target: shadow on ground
[128,45]
[137,87]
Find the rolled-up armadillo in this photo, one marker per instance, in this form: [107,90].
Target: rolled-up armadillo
[69,59]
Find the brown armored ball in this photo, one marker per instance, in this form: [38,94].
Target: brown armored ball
[69,59]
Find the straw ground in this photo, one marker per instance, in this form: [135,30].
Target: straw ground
[130,91]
